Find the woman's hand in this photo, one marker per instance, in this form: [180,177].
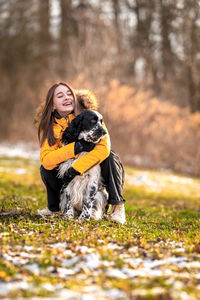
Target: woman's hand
[82,145]
[69,176]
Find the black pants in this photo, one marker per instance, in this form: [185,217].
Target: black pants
[111,170]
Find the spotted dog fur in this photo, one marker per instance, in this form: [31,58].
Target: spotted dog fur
[85,196]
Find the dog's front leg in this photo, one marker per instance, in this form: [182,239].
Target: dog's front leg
[69,211]
[85,215]
[88,203]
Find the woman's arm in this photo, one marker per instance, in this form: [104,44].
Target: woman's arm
[100,152]
[51,156]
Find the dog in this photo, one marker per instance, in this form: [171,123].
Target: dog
[85,196]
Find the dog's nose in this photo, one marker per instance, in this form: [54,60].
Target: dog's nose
[103,132]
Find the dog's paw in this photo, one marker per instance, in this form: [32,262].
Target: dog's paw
[82,219]
[69,215]
[106,217]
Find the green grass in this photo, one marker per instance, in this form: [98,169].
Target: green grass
[163,221]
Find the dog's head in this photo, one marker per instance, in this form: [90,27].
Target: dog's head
[87,126]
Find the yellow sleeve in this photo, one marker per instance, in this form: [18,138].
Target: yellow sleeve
[51,156]
[100,152]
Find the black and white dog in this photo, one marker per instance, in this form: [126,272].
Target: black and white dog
[85,196]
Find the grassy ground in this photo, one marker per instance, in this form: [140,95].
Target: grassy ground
[155,256]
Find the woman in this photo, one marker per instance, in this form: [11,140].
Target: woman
[60,108]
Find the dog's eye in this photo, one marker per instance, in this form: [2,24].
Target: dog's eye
[93,121]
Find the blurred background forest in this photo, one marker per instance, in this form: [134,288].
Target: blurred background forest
[140,57]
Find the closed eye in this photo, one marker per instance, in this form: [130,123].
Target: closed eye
[93,121]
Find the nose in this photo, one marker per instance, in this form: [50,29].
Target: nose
[103,132]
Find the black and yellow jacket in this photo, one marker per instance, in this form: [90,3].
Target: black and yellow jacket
[52,156]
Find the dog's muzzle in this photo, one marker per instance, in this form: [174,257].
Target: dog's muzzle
[95,134]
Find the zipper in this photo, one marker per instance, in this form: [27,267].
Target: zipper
[67,118]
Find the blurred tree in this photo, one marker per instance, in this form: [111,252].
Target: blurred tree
[191,39]
[140,38]
[167,15]
[68,29]
[43,43]
[117,25]
[16,39]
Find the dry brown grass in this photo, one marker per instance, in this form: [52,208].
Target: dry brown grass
[150,133]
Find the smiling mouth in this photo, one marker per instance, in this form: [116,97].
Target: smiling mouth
[67,104]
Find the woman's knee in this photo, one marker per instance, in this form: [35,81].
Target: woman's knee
[47,174]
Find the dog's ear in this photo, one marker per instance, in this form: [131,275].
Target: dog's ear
[72,132]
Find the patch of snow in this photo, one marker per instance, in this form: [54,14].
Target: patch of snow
[133,249]
[27,255]
[107,263]
[181,180]
[64,273]
[148,263]
[189,265]
[59,245]
[91,262]
[115,273]
[71,261]
[48,287]
[33,268]
[19,261]
[177,294]
[96,292]
[114,246]
[19,149]
[179,250]
[174,243]
[101,241]
[143,292]
[7,257]
[84,249]
[69,252]
[28,248]
[68,295]
[115,294]
[142,179]
[6,287]
[141,272]
[134,262]
[19,171]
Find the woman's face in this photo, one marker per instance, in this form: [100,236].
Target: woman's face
[63,100]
